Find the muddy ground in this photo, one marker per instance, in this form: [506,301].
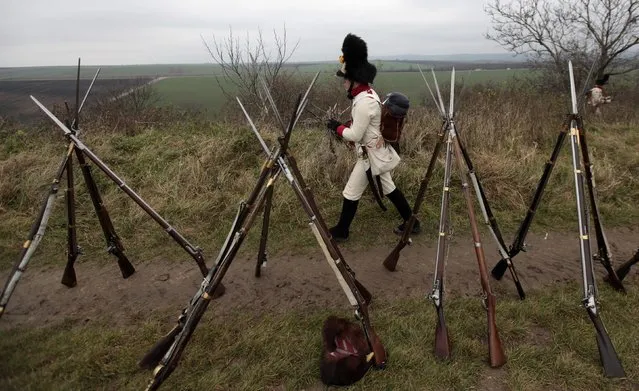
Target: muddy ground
[293,280]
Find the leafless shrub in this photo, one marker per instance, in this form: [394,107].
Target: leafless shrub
[585,31]
[243,62]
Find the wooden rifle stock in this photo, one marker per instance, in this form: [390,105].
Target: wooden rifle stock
[114,245]
[495,350]
[491,221]
[68,277]
[442,340]
[390,263]
[333,249]
[609,360]
[380,355]
[497,357]
[625,268]
[153,357]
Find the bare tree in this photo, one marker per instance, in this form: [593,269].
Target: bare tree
[550,32]
[243,61]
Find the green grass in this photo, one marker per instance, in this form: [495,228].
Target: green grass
[548,339]
[203,92]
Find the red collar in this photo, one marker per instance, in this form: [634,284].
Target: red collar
[361,88]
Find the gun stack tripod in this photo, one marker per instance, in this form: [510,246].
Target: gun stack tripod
[113,242]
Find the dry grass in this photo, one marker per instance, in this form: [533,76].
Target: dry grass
[194,173]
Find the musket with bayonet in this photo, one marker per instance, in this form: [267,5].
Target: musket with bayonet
[519,244]
[608,356]
[83,150]
[496,355]
[390,263]
[358,296]
[39,225]
[277,163]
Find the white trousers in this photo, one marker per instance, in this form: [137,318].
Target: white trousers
[357,182]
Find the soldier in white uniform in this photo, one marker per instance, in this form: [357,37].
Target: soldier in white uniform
[364,131]
[597,96]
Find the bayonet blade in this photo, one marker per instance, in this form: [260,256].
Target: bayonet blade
[77,98]
[439,94]
[257,133]
[452,94]
[86,95]
[440,109]
[573,93]
[270,99]
[53,117]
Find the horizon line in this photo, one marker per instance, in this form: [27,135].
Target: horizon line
[389,57]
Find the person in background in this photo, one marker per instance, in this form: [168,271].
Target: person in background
[597,96]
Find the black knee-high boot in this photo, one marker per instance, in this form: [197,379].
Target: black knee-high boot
[397,198]
[340,231]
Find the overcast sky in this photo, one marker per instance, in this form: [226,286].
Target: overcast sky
[57,32]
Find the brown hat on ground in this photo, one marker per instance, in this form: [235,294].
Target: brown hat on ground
[346,355]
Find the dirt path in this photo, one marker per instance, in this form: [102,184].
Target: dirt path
[132,90]
[291,281]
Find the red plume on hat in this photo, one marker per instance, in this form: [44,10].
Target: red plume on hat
[355,61]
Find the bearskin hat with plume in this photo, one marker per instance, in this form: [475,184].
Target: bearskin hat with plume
[355,65]
[603,80]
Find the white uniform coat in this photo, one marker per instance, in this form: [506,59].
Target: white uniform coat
[366,113]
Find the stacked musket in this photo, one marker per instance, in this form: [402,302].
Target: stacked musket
[164,356]
[614,278]
[609,359]
[390,263]
[448,132]
[113,242]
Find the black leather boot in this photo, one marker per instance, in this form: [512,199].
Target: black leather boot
[397,198]
[340,231]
